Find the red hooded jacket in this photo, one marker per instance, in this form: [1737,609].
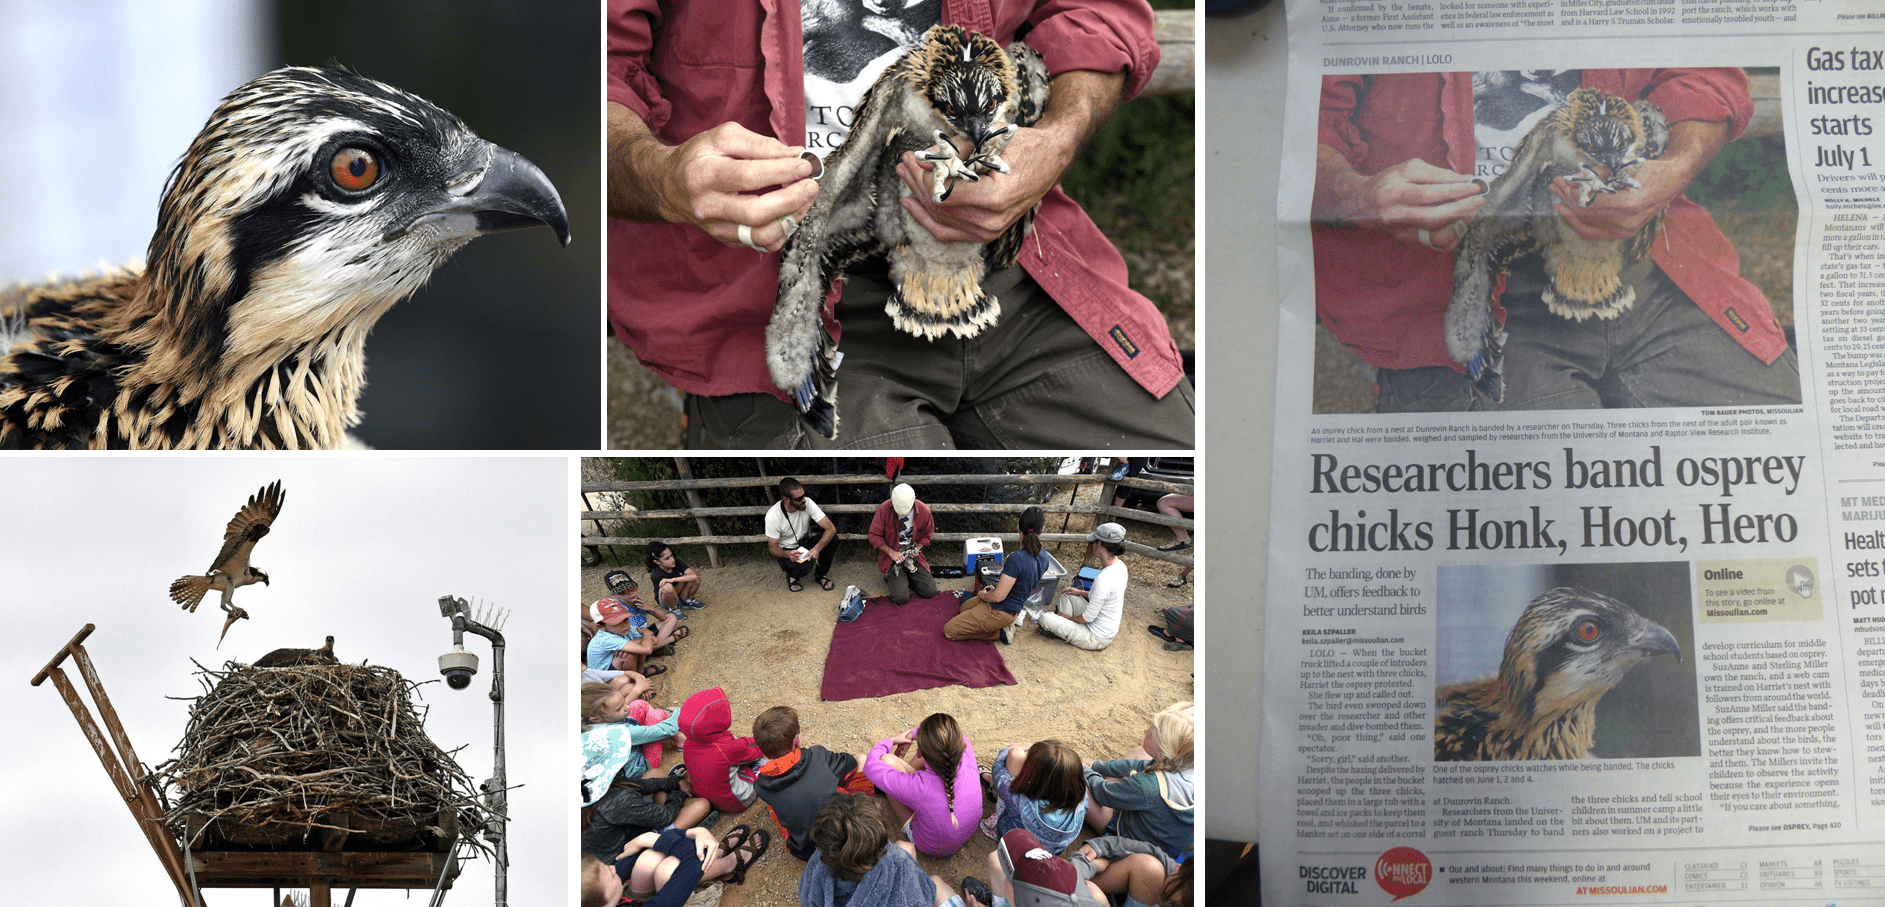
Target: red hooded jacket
[711,752]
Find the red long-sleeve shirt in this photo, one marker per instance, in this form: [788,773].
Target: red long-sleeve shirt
[1385,299]
[695,311]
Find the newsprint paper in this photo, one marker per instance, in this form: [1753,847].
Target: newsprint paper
[1576,585]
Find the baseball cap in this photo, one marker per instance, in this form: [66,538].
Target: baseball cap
[1036,877]
[902,498]
[618,581]
[609,611]
[1107,532]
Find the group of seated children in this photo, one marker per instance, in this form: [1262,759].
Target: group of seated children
[622,633]
[828,807]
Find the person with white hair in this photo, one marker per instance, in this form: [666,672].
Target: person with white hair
[900,531]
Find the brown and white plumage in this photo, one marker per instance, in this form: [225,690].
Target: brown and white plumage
[311,202]
[231,570]
[294,658]
[1596,140]
[1568,649]
[955,84]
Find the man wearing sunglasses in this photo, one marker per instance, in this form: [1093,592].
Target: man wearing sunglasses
[801,537]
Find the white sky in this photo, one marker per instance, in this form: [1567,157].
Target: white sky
[363,549]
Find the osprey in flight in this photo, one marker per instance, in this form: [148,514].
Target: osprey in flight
[311,202]
[231,569]
[1566,651]
[954,84]
[1595,140]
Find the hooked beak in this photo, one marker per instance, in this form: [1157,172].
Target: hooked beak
[512,194]
[1654,640]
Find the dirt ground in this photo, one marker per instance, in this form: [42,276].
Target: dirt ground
[766,646]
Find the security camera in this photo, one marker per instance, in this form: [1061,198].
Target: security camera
[458,666]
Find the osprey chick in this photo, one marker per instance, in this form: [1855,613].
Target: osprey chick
[1596,140]
[1566,651]
[953,84]
[294,658]
[231,569]
[312,201]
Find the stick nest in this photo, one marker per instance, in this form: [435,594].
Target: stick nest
[332,756]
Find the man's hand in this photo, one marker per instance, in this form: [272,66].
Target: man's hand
[896,557]
[1401,201]
[716,180]
[1617,216]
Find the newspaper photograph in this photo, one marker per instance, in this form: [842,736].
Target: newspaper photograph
[1578,526]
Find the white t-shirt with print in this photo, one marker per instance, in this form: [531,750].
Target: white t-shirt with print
[848,44]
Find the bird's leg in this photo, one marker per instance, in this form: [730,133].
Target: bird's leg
[949,165]
[1588,184]
[991,160]
[235,614]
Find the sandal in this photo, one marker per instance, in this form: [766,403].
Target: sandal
[682,633]
[662,652]
[1178,583]
[753,853]
[678,771]
[652,670]
[988,785]
[825,583]
[1175,546]
[1159,632]
[792,583]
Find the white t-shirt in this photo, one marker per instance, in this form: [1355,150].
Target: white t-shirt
[1106,602]
[788,528]
[848,44]
[1507,104]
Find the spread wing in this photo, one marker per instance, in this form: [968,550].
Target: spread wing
[246,528]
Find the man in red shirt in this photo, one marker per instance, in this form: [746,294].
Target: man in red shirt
[707,116]
[1396,160]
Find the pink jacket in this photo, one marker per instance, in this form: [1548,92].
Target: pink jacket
[884,531]
[711,752]
[695,311]
[1384,299]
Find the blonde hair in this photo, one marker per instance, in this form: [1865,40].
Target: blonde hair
[592,695]
[1175,729]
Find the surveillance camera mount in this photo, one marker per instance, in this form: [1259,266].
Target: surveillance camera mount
[496,796]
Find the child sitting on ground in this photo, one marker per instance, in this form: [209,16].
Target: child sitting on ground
[622,739]
[1045,793]
[858,863]
[1149,795]
[797,780]
[934,792]
[720,764]
[662,869]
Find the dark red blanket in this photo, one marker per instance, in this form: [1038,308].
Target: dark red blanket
[893,649]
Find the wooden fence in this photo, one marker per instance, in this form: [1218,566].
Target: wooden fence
[1093,514]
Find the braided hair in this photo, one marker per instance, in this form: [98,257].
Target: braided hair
[939,739]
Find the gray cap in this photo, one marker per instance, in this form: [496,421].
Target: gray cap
[1108,532]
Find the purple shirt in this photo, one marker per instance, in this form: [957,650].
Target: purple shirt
[931,829]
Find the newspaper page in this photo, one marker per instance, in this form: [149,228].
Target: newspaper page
[1579,501]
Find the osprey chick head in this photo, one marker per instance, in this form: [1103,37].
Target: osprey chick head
[969,82]
[311,201]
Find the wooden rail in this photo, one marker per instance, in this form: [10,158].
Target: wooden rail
[691,486]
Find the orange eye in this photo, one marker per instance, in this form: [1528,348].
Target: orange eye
[1588,631]
[354,169]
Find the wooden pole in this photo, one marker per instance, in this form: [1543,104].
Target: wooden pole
[693,502]
[122,766]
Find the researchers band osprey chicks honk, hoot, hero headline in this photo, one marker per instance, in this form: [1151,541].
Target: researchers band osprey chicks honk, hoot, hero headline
[312,200]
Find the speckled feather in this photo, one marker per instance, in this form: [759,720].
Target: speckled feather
[1592,129]
[858,212]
